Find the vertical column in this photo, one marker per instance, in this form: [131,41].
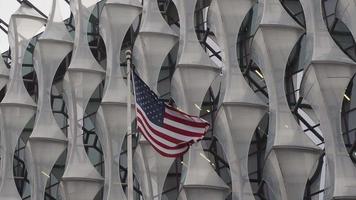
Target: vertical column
[240,109]
[151,168]
[47,141]
[192,78]
[116,19]
[326,77]
[194,71]
[17,107]
[288,148]
[4,78]
[80,180]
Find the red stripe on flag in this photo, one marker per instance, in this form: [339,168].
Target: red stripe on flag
[161,152]
[183,132]
[184,121]
[167,132]
[143,119]
[182,144]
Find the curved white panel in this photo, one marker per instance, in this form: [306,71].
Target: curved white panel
[152,45]
[277,35]
[17,105]
[19,38]
[142,171]
[80,181]
[47,141]
[233,125]
[226,17]
[201,181]
[79,172]
[116,19]
[192,78]
[346,11]
[4,78]
[194,70]
[151,170]
[328,74]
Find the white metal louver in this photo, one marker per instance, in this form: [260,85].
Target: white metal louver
[116,19]
[287,145]
[193,76]
[152,45]
[327,75]
[80,180]
[239,104]
[17,105]
[47,141]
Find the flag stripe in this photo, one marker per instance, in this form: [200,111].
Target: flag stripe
[149,134]
[182,131]
[167,132]
[169,115]
[182,115]
[160,140]
[193,130]
[157,133]
[162,151]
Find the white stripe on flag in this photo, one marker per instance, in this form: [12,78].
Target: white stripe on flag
[167,151]
[183,126]
[178,114]
[165,131]
[156,137]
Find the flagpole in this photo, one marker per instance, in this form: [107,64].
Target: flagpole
[129,131]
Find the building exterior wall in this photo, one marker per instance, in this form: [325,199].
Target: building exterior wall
[274,78]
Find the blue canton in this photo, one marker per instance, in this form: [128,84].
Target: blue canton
[153,107]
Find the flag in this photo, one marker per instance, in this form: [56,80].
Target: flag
[167,129]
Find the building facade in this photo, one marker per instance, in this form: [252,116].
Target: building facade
[274,78]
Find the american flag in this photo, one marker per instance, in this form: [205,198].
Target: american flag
[169,130]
